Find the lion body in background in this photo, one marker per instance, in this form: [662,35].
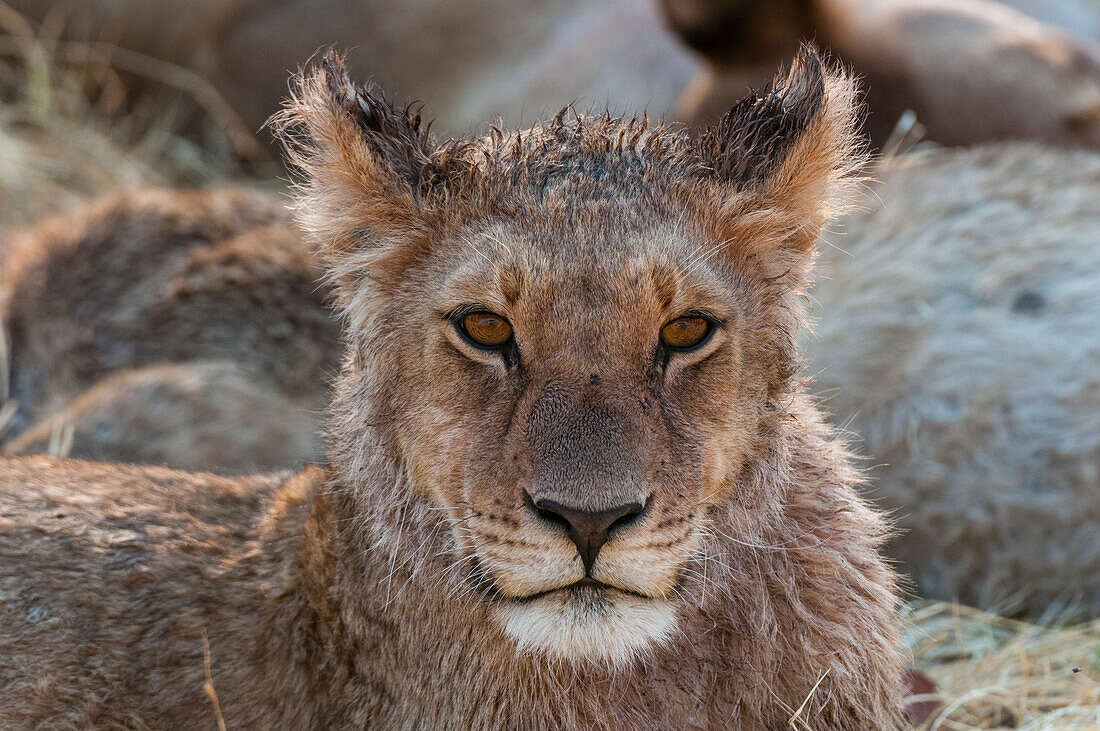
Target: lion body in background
[180,328]
[948,61]
[477,60]
[958,339]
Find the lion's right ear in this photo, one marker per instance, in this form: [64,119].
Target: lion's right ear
[791,159]
[363,165]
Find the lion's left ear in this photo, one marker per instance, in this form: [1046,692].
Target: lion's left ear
[787,159]
[364,164]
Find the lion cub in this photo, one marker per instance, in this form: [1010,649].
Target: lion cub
[574,478]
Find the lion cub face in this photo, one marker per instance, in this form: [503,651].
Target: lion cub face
[569,338]
[585,394]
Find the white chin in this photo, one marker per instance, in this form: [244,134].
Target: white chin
[604,625]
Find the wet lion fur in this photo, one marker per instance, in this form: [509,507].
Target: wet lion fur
[182,328]
[383,590]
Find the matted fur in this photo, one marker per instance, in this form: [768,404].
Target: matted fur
[410,585]
[959,338]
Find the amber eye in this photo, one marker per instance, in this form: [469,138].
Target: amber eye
[685,333]
[486,329]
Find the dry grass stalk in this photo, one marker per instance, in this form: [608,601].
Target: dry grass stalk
[994,672]
[208,684]
[61,439]
[8,407]
[796,720]
[71,129]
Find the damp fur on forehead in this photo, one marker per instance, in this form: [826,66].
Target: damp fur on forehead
[374,184]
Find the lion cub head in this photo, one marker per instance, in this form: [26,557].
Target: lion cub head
[569,342]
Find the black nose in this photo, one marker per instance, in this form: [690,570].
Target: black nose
[588,529]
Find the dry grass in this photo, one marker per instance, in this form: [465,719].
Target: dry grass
[994,672]
[7,406]
[71,126]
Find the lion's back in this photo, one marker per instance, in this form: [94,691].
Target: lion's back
[155,278]
[958,339]
[108,576]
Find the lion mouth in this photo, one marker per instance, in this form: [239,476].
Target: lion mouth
[586,588]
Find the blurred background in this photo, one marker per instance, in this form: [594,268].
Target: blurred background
[957,312]
[177,91]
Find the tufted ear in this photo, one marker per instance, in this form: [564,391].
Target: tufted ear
[364,164]
[788,159]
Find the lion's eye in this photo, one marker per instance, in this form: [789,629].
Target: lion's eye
[685,333]
[486,329]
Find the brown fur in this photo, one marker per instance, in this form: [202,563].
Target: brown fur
[195,416]
[150,279]
[384,592]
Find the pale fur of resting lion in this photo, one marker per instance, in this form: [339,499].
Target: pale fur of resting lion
[958,339]
[172,327]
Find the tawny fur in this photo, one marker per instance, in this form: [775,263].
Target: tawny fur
[106,309]
[958,338]
[371,593]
